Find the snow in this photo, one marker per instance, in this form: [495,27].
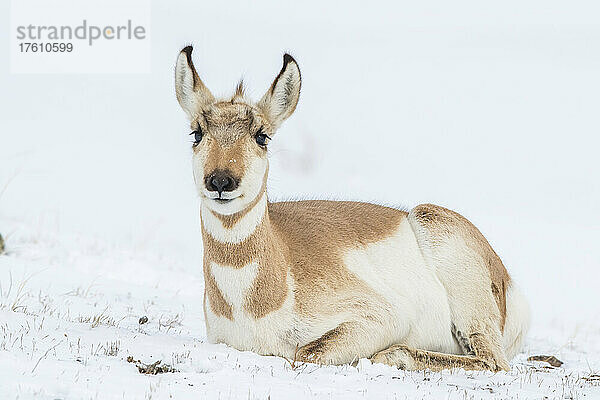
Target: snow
[488,109]
[69,317]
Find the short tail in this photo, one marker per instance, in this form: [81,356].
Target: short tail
[517,321]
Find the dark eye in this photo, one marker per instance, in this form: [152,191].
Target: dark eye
[197,135]
[261,138]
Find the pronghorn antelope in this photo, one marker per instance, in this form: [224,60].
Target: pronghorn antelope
[331,282]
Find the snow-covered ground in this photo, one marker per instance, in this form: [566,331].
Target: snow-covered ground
[70,307]
[489,109]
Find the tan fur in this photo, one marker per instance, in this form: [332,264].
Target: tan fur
[225,124]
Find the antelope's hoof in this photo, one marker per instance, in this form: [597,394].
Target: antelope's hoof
[311,354]
[396,356]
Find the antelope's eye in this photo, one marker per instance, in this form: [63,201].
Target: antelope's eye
[261,138]
[197,135]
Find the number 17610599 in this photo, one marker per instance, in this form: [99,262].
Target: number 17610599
[47,47]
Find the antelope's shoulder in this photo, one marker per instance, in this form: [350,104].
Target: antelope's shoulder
[345,223]
[319,235]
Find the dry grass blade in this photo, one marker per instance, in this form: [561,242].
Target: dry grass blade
[593,378]
[45,355]
[20,294]
[293,363]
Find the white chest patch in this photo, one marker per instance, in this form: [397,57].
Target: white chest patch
[234,283]
[268,335]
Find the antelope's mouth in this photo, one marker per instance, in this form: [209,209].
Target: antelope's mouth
[221,198]
[223,201]
[224,198]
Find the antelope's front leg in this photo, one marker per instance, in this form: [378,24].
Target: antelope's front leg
[340,345]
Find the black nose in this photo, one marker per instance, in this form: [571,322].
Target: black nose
[220,181]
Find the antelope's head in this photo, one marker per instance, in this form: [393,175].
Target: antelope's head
[231,136]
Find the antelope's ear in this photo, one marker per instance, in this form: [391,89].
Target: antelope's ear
[189,88]
[282,97]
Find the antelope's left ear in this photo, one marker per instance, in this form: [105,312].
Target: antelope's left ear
[282,97]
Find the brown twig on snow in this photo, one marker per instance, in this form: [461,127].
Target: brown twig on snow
[151,369]
[553,361]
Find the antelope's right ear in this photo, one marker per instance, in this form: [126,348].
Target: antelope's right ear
[189,88]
